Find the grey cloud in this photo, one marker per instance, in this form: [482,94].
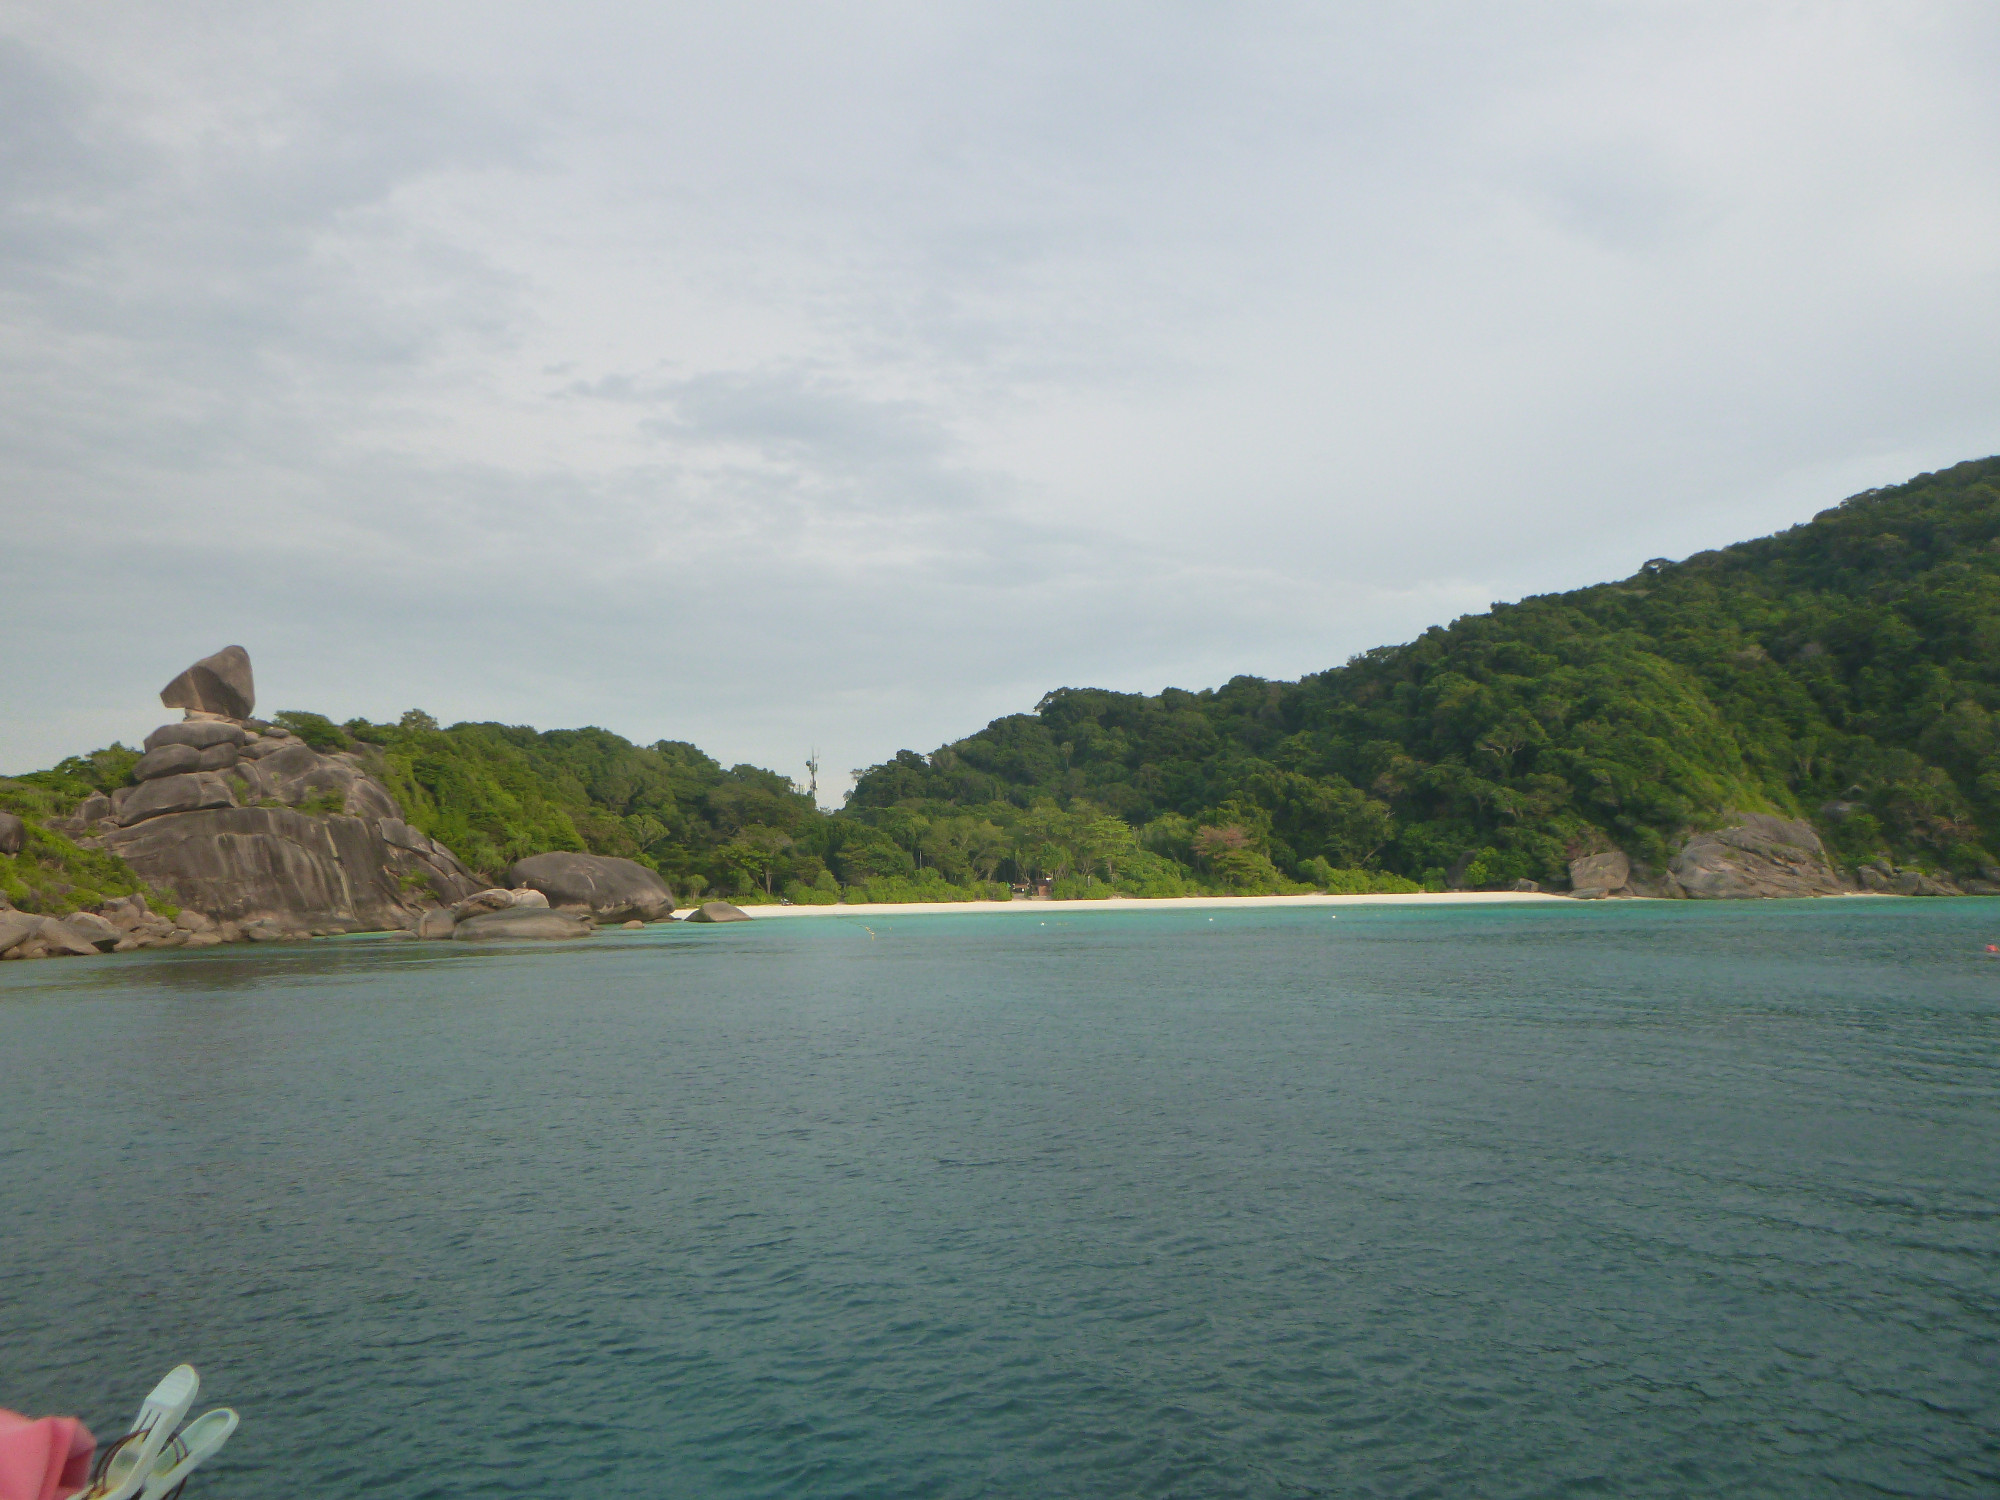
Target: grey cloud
[849,376]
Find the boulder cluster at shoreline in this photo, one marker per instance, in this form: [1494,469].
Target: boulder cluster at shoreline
[256,836]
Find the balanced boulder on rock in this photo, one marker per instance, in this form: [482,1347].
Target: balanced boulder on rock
[610,889]
[218,684]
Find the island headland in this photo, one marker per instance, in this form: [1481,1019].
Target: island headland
[1808,714]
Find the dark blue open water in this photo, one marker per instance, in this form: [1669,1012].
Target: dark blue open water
[1634,1199]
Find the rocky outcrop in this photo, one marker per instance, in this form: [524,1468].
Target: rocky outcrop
[130,925]
[1596,876]
[1883,878]
[523,922]
[609,889]
[719,911]
[302,872]
[25,935]
[258,836]
[1758,855]
[443,923]
[220,684]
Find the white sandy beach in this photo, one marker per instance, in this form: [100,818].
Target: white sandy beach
[1134,903]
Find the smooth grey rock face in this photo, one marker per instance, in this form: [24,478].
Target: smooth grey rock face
[218,684]
[94,809]
[395,831]
[287,869]
[167,760]
[719,911]
[200,733]
[217,758]
[13,833]
[175,794]
[522,922]
[1759,855]
[1600,874]
[436,924]
[613,890]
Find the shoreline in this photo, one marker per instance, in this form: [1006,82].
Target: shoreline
[1143,903]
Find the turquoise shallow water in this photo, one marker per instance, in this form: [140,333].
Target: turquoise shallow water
[1634,1199]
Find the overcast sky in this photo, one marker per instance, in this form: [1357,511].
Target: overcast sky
[773,376]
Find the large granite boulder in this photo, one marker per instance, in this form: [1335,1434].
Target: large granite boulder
[1885,879]
[522,922]
[167,760]
[16,927]
[297,871]
[1758,855]
[1599,875]
[218,684]
[174,794]
[197,734]
[93,929]
[611,889]
[13,833]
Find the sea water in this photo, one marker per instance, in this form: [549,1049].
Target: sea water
[1610,1199]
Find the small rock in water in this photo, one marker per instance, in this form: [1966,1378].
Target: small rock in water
[718,911]
[522,922]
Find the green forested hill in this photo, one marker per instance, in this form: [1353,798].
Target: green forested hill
[1844,670]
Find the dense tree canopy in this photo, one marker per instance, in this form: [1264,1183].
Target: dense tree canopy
[1844,670]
